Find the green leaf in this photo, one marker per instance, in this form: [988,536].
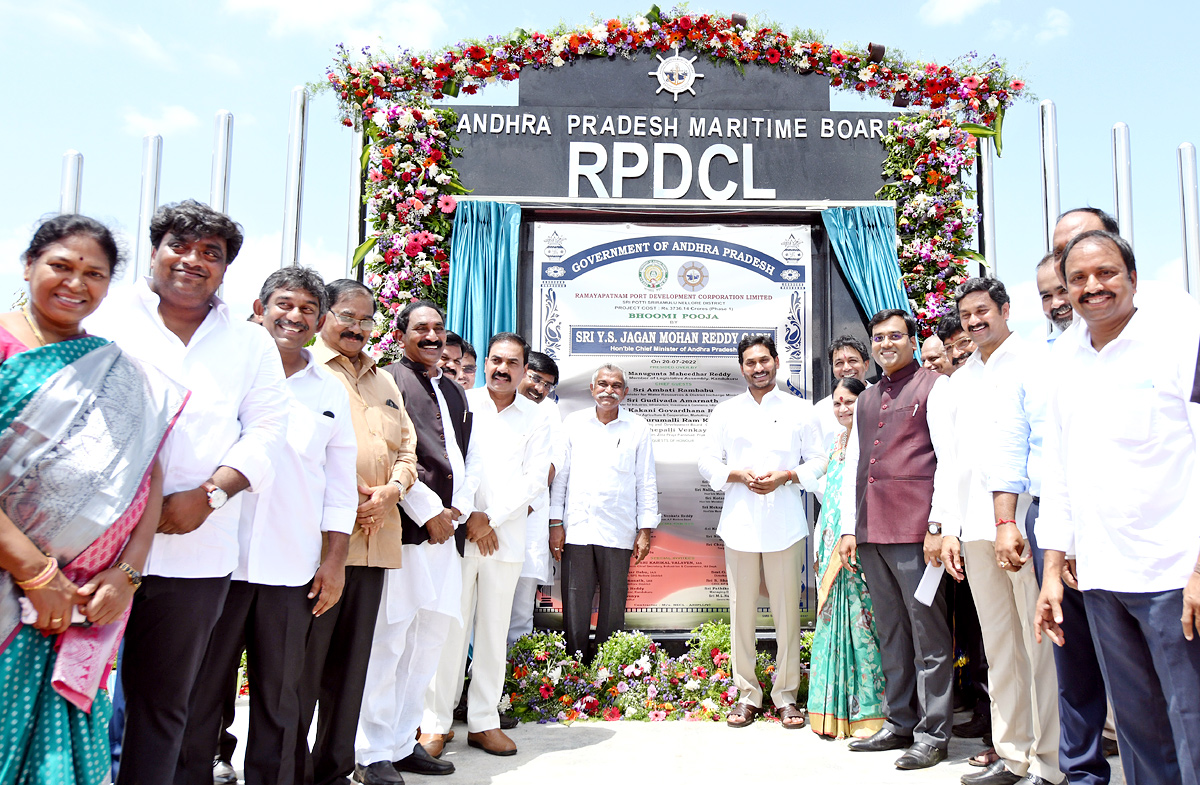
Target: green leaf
[999,125]
[366,156]
[654,14]
[975,129]
[361,251]
[976,257]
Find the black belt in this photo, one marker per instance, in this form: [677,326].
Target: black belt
[1037,500]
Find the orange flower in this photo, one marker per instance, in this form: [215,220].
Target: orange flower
[932,178]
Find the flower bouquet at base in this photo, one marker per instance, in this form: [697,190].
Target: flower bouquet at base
[544,683]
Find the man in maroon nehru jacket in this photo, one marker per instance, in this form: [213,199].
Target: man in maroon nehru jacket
[899,457]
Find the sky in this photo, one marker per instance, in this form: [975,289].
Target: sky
[98,77]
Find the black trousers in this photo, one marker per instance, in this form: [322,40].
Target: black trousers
[169,628]
[335,672]
[584,568]
[227,743]
[273,623]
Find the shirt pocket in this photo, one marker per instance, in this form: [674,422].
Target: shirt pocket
[1130,413]
[308,433]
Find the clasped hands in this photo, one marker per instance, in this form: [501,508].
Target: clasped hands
[760,483]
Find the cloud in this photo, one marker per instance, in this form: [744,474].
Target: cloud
[168,121]
[80,22]
[417,24]
[1056,23]
[949,12]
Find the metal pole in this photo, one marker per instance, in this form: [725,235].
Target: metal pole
[1189,209]
[72,182]
[294,187]
[1123,180]
[1050,203]
[222,159]
[354,222]
[987,206]
[151,170]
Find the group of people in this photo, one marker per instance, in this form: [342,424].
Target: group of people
[194,486]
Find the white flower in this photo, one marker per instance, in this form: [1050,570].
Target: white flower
[641,24]
[629,712]
[429,73]
[505,703]
[709,704]
[691,684]
[558,62]
[603,674]
[993,102]
[460,67]
[600,32]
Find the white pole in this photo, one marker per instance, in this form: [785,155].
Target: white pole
[987,206]
[1123,180]
[1050,203]
[354,212]
[294,187]
[221,161]
[151,171]
[72,182]
[1189,208]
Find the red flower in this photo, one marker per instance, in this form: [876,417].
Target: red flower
[612,714]
[685,23]
[773,56]
[412,248]
[476,52]
[837,58]
[546,690]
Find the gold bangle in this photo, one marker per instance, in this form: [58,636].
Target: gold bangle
[43,578]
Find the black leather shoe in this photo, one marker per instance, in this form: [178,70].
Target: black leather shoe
[920,756]
[421,762]
[381,772]
[1110,747]
[973,728]
[882,740]
[995,774]
[508,722]
[1033,779]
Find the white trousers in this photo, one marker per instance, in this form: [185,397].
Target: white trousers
[487,600]
[1021,676]
[404,658]
[521,621]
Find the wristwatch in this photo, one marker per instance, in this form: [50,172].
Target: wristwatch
[135,577]
[216,495]
[935,528]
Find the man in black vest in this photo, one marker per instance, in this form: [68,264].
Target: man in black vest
[422,599]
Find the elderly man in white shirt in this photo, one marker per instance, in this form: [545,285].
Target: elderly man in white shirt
[759,448]
[281,580]
[509,456]
[224,442]
[1022,681]
[1120,491]
[603,508]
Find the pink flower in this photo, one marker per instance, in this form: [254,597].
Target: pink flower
[446,203]
[412,248]
[1016,85]
[622,687]
[658,716]
[970,83]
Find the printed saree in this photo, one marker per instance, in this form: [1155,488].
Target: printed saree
[80,427]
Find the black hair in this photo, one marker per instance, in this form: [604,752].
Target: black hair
[756,340]
[910,324]
[1047,260]
[454,339]
[848,342]
[59,227]
[402,319]
[468,349]
[992,287]
[1107,221]
[511,338]
[295,277]
[852,385]
[948,325]
[346,286]
[191,219]
[543,363]
[1098,236]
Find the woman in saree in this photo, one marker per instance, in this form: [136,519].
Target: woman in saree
[80,497]
[845,692]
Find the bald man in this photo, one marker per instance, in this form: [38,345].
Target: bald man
[933,356]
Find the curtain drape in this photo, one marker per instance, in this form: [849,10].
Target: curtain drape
[864,242]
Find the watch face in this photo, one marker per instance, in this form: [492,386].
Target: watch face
[934,528]
[217,498]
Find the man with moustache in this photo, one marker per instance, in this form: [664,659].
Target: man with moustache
[759,449]
[509,456]
[281,581]
[603,509]
[1135,542]
[466,376]
[339,643]
[933,356]
[1021,679]
[902,462]
[423,599]
[223,444]
[1055,303]
[954,338]
[452,355]
[848,360]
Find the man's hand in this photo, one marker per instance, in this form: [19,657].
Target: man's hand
[743,476]
[1048,614]
[848,550]
[1068,574]
[933,549]
[184,511]
[641,547]
[373,511]
[328,583]
[1010,548]
[440,526]
[558,538]
[766,483]
[950,556]
[1191,606]
[480,532]
[107,595]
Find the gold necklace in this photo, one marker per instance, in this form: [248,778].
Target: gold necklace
[33,326]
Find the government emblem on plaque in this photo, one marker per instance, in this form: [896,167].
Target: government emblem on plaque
[653,274]
[676,74]
[693,276]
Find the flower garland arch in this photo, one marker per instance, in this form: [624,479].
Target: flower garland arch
[409,161]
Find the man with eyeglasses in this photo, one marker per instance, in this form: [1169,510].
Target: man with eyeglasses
[604,506]
[339,642]
[902,464]
[466,376]
[958,345]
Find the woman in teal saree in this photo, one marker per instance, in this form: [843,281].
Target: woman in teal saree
[845,688]
[80,497]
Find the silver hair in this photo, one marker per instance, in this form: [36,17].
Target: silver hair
[610,367]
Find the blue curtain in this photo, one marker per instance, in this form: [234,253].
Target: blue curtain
[864,242]
[482,298]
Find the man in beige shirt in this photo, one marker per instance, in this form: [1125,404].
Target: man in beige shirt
[339,643]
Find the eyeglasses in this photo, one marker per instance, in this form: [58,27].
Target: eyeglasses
[345,319]
[893,337]
[961,345]
[538,381]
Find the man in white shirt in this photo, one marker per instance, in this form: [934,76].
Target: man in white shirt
[1022,681]
[1120,491]
[223,444]
[759,448]
[423,599]
[848,359]
[933,356]
[955,341]
[281,580]
[1055,303]
[509,456]
[603,508]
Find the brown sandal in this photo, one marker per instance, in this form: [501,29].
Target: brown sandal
[744,712]
[791,712]
[985,758]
